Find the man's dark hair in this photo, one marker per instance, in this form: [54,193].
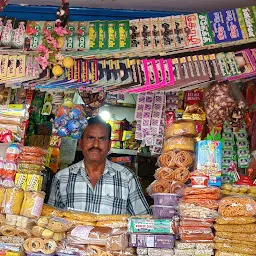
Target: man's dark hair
[99,120]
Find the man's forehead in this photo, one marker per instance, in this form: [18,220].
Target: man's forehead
[95,129]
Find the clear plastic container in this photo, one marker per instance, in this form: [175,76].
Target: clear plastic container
[163,211]
[166,199]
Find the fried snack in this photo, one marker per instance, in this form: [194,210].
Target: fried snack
[199,191]
[80,223]
[237,236]
[15,231]
[181,127]
[34,150]
[181,174]
[160,186]
[82,216]
[51,211]
[235,220]
[167,159]
[179,143]
[222,240]
[13,200]
[183,159]
[32,204]
[237,206]
[112,217]
[247,228]
[46,246]
[223,253]
[112,224]
[203,196]
[207,203]
[59,225]
[175,186]
[236,248]
[165,173]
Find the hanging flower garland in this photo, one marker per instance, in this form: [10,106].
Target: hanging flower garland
[48,53]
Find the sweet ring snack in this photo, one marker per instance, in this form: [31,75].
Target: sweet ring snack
[164,173]
[22,232]
[167,159]
[181,174]
[33,244]
[8,231]
[49,246]
[160,186]
[183,159]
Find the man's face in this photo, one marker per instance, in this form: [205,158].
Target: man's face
[95,143]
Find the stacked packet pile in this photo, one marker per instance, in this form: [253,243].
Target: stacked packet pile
[176,159]
[198,210]
[236,227]
[152,236]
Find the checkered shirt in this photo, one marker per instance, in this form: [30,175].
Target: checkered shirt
[118,191]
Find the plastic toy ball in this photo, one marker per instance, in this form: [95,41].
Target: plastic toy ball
[76,134]
[74,113]
[73,125]
[63,132]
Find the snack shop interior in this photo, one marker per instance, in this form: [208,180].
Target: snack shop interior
[127,128]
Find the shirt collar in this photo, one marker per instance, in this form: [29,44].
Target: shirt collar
[79,167]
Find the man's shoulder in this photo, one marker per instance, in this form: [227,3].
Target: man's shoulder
[66,171]
[122,170]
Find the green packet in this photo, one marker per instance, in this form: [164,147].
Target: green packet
[157,226]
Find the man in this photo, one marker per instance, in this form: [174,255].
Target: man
[95,184]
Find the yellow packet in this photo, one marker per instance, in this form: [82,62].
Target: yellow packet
[34,182]
[21,180]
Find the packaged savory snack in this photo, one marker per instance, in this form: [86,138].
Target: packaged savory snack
[163,211]
[235,220]
[165,199]
[179,143]
[246,228]
[181,128]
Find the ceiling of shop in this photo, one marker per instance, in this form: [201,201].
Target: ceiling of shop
[159,5]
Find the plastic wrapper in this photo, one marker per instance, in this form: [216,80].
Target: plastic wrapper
[82,216]
[32,204]
[112,239]
[142,251]
[13,200]
[24,158]
[207,203]
[35,245]
[246,228]
[228,241]
[30,167]
[190,222]
[194,211]
[219,103]
[152,240]
[51,211]
[237,206]
[2,196]
[7,230]
[112,224]
[10,120]
[161,226]
[223,253]
[34,150]
[163,212]
[112,217]
[235,220]
[181,127]
[194,245]
[236,248]
[179,143]
[64,248]
[165,199]
[160,252]
[46,233]
[190,191]
[19,221]
[199,234]
[237,236]
[84,223]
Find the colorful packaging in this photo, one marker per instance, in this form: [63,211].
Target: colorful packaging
[18,37]
[156,33]
[219,27]
[247,22]
[178,27]
[94,35]
[194,36]
[124,35]
[103,35]
[166,32]
[234,32]
[205,27]
[209,160]
[136,42]
[113,35]
[83,35]
[146,34]
[7,32]
[34,35]
[71,38]
[21,66]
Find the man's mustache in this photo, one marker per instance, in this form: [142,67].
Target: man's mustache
[95,149]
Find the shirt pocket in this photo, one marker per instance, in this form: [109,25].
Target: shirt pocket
[113,205]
